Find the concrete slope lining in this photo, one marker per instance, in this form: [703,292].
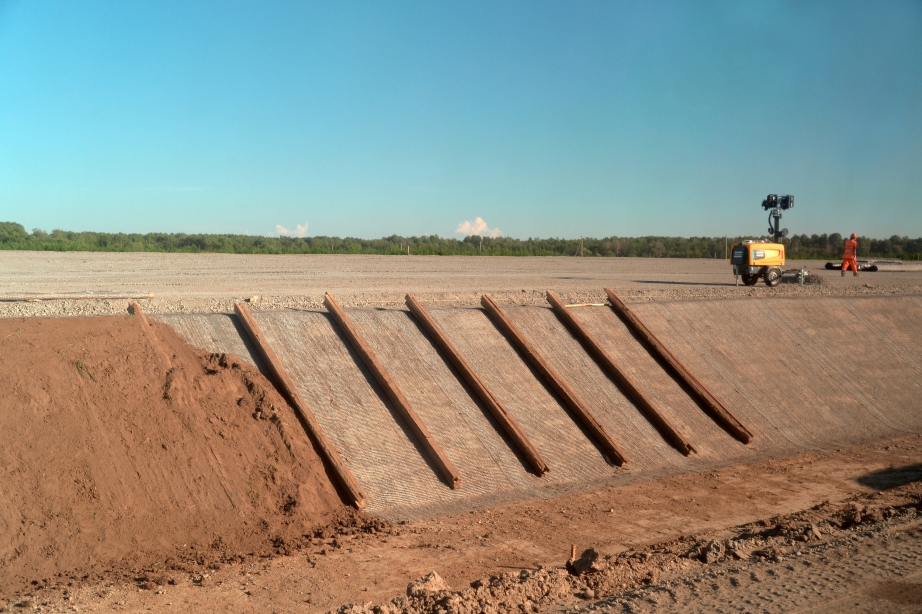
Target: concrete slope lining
[851,342]
[776,364]
[641,441]
[714,369]
[788,371]
[783,382]
[676,406]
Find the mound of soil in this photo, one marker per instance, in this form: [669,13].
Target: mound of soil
[123,448]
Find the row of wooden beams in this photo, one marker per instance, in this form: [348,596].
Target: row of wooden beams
[579,410]
[650,410]
[720,414]
[513,431]
[425,439]
[499,413]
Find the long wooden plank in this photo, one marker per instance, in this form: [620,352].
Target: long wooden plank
[135,310]
[652,413]
[499,413]
[384,379]
[284,384]
[557,384]
[720,414]
[30,298]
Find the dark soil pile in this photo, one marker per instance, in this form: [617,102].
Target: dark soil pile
[122,448]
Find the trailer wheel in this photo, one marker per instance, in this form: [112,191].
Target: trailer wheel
[750,280]
[772,277]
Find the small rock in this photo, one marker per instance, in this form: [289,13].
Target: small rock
[588,594]
[428,584]
[869,286]
[815,531]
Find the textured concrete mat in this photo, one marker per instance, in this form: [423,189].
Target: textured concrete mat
[569,453]
[677,407]
[215,332]
[796,369]
[800,374]
[641,442]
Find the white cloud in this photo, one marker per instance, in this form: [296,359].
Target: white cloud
[477,227]
[299,231]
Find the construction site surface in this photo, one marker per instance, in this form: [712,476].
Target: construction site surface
[301,433]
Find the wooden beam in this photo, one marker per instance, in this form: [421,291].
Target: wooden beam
[505,421]
[553,379]
[151,334]
[425,439]
[29,298]
[652,413]
[286,387]
[712,406]
[135,310]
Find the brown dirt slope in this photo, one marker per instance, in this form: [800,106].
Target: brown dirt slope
[122,447]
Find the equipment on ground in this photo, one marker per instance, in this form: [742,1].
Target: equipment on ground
[871,265]
[775,206]
[754,259]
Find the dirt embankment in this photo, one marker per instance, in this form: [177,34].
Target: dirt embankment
[124,449]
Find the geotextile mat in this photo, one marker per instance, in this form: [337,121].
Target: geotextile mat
[800,373]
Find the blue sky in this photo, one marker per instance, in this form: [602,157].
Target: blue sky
[541,118]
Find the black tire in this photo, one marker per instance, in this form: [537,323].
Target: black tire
[772,277]
[750,280]
[831,266]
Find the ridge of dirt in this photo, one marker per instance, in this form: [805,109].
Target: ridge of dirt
[593,576]
[125,452]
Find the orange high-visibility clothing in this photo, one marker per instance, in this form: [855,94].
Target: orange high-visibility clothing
[848,260]
[851,249]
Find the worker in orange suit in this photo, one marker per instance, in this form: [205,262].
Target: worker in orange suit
[851,251]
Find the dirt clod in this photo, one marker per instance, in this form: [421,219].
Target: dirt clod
[589,561]
[428,584]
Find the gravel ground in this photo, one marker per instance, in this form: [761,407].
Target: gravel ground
[203,283]
[870,569]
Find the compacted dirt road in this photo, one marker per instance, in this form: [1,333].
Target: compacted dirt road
[212,282]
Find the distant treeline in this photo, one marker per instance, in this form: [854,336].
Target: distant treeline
[14,236]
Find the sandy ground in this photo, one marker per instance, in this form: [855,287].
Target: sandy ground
[212,282]
[374,564]
[667,516]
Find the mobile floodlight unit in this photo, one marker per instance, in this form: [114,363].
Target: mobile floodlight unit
[754,259]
